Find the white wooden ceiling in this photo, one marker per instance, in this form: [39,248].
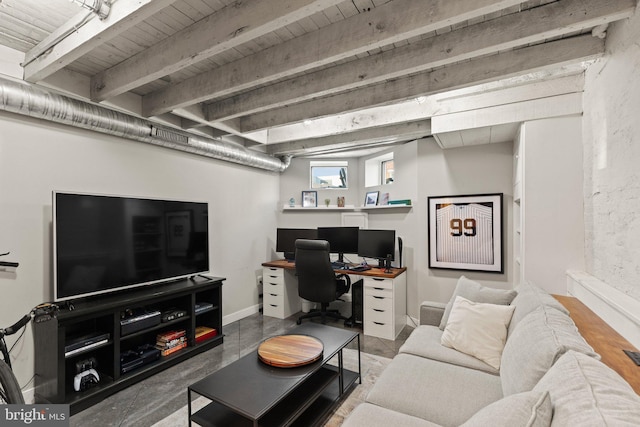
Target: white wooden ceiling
[312,77]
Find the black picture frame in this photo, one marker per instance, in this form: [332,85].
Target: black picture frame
[371,199]
[465,232]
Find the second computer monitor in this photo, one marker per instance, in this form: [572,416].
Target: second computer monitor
[286,239]
[378,244]
[342,240]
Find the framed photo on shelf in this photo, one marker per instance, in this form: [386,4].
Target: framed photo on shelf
[309,199]
[371,199]
[465,232]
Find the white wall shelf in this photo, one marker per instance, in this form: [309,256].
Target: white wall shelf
[372,208]
[319,208]
[345,208]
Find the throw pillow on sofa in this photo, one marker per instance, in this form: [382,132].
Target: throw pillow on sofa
[534,346]
[585,392]
[474,291]
[478,329]
[530,409]
[528,299]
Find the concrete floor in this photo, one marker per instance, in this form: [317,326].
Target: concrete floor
[154,398]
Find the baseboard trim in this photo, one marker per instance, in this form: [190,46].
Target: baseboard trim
[614,307]
[241,314]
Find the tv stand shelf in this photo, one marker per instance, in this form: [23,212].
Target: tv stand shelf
[55,373]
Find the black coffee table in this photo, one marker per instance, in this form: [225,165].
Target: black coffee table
[249,392]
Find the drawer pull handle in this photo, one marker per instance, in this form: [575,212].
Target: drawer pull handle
[378,310]
[273,284]
[273,305]
[274,277]
[378,297]
[378,279]
[273,269]
[274,295]
[379,289]
[378,323]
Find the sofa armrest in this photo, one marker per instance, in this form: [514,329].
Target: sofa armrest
[431,312]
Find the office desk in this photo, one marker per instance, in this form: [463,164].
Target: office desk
[384,299]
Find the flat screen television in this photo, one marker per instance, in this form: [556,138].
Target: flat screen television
[342,240]
[107,243]
[286,239]
[378,244]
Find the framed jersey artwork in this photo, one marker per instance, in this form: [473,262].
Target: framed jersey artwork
[465,232]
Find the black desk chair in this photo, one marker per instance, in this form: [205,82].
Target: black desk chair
[317,282]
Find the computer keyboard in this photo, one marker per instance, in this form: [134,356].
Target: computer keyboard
[360,268]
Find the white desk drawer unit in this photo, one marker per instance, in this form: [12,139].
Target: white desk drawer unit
[385,306]
[279,293]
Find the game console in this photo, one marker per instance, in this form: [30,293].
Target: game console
[203,306]
[85,380]
[140,356]
[172,314]
[86,342]
[133,322]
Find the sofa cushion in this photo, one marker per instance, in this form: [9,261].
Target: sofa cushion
[439,392]
[424,341]
[367,415]
[530,409]
[585,392]
[478,329]
[474,291]
[534,346]
[529,298]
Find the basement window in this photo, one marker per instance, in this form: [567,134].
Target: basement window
[379,170]
[328,174]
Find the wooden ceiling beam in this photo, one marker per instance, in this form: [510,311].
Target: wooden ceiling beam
[77,40]
[231,26]
[381,134]
[476,71]
[390,23]
[503,33]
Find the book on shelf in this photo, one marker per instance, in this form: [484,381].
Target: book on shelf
[405,202]
[203,333]
[171,335]
[168,351]
[161,345]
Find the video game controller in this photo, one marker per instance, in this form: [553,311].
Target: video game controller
[86,379]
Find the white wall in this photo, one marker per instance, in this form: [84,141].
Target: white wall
[459,171]
[552,221]
[37,157]
[611,131]
[612,160]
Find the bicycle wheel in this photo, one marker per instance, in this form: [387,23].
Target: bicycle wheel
[9,388]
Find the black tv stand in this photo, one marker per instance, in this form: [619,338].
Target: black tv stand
[55,367]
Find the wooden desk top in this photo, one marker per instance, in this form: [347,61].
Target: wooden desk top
[604,339]
[374,272]
[290,351]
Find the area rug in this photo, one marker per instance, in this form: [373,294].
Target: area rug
[372,367]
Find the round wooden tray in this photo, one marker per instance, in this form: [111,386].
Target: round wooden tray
[290,351]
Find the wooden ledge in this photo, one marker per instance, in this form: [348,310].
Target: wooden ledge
[604,339]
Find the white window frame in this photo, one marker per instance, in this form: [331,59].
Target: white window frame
[328,163]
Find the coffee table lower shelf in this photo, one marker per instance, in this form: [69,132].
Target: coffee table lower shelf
[304,407]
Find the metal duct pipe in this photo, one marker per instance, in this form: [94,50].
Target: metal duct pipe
[29,100]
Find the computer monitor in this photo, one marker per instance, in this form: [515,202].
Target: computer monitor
[342,240]
[286,239]
[378,244]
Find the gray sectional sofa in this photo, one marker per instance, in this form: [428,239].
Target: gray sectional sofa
[547,373]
